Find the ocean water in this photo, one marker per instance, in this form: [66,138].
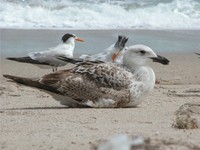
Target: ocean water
[100,14]
[19,42]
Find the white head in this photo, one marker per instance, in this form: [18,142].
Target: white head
[138,55]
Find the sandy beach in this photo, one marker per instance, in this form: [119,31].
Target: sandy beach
[167,119]
[32,119]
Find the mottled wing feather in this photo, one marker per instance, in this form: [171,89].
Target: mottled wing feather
[91,81]
[105,74]
[54,78]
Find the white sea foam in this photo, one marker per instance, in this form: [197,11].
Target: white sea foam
[102,14]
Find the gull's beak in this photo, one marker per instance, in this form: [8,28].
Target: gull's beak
[160,59]
[79,39]
[114,56]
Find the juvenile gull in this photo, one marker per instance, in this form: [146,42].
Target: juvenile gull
[102,84]
[46,59]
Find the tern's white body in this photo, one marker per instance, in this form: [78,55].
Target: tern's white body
[106,55]
[46,59]
[64,49]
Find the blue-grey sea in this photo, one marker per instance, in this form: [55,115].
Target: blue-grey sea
[18,42]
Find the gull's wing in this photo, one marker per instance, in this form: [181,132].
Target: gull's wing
[92,82]
[89,84]
[104,74]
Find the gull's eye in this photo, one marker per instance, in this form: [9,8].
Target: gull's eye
[142,52]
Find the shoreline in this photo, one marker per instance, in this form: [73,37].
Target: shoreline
[18,42]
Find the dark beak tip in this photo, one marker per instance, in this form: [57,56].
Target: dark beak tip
[161,59]
[165,63]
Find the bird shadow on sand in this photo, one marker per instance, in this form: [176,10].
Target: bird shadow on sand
[34,108]
[58,108]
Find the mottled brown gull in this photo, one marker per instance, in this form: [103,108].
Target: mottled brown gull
[102,84]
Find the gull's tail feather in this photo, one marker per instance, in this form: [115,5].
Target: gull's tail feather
[50,90]
[31,82]
[26,60]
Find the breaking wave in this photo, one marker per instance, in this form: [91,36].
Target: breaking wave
[100,14]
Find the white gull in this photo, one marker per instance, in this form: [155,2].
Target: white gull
[102,84]
[46,59]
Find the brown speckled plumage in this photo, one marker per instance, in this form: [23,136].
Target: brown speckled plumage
[92,81]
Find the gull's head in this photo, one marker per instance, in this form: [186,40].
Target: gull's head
[139,55]
[68,38]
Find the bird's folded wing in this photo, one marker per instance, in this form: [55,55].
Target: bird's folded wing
[101,74]
[78,61]
[90,82]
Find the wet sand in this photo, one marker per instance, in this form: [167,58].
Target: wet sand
[32,119]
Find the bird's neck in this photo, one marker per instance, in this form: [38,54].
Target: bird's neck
[143,82]
[141,71]
[145,74]
[70,42]
[68,48]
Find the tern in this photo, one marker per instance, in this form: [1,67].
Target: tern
[46,59]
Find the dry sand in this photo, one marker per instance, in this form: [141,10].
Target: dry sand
[32,119]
